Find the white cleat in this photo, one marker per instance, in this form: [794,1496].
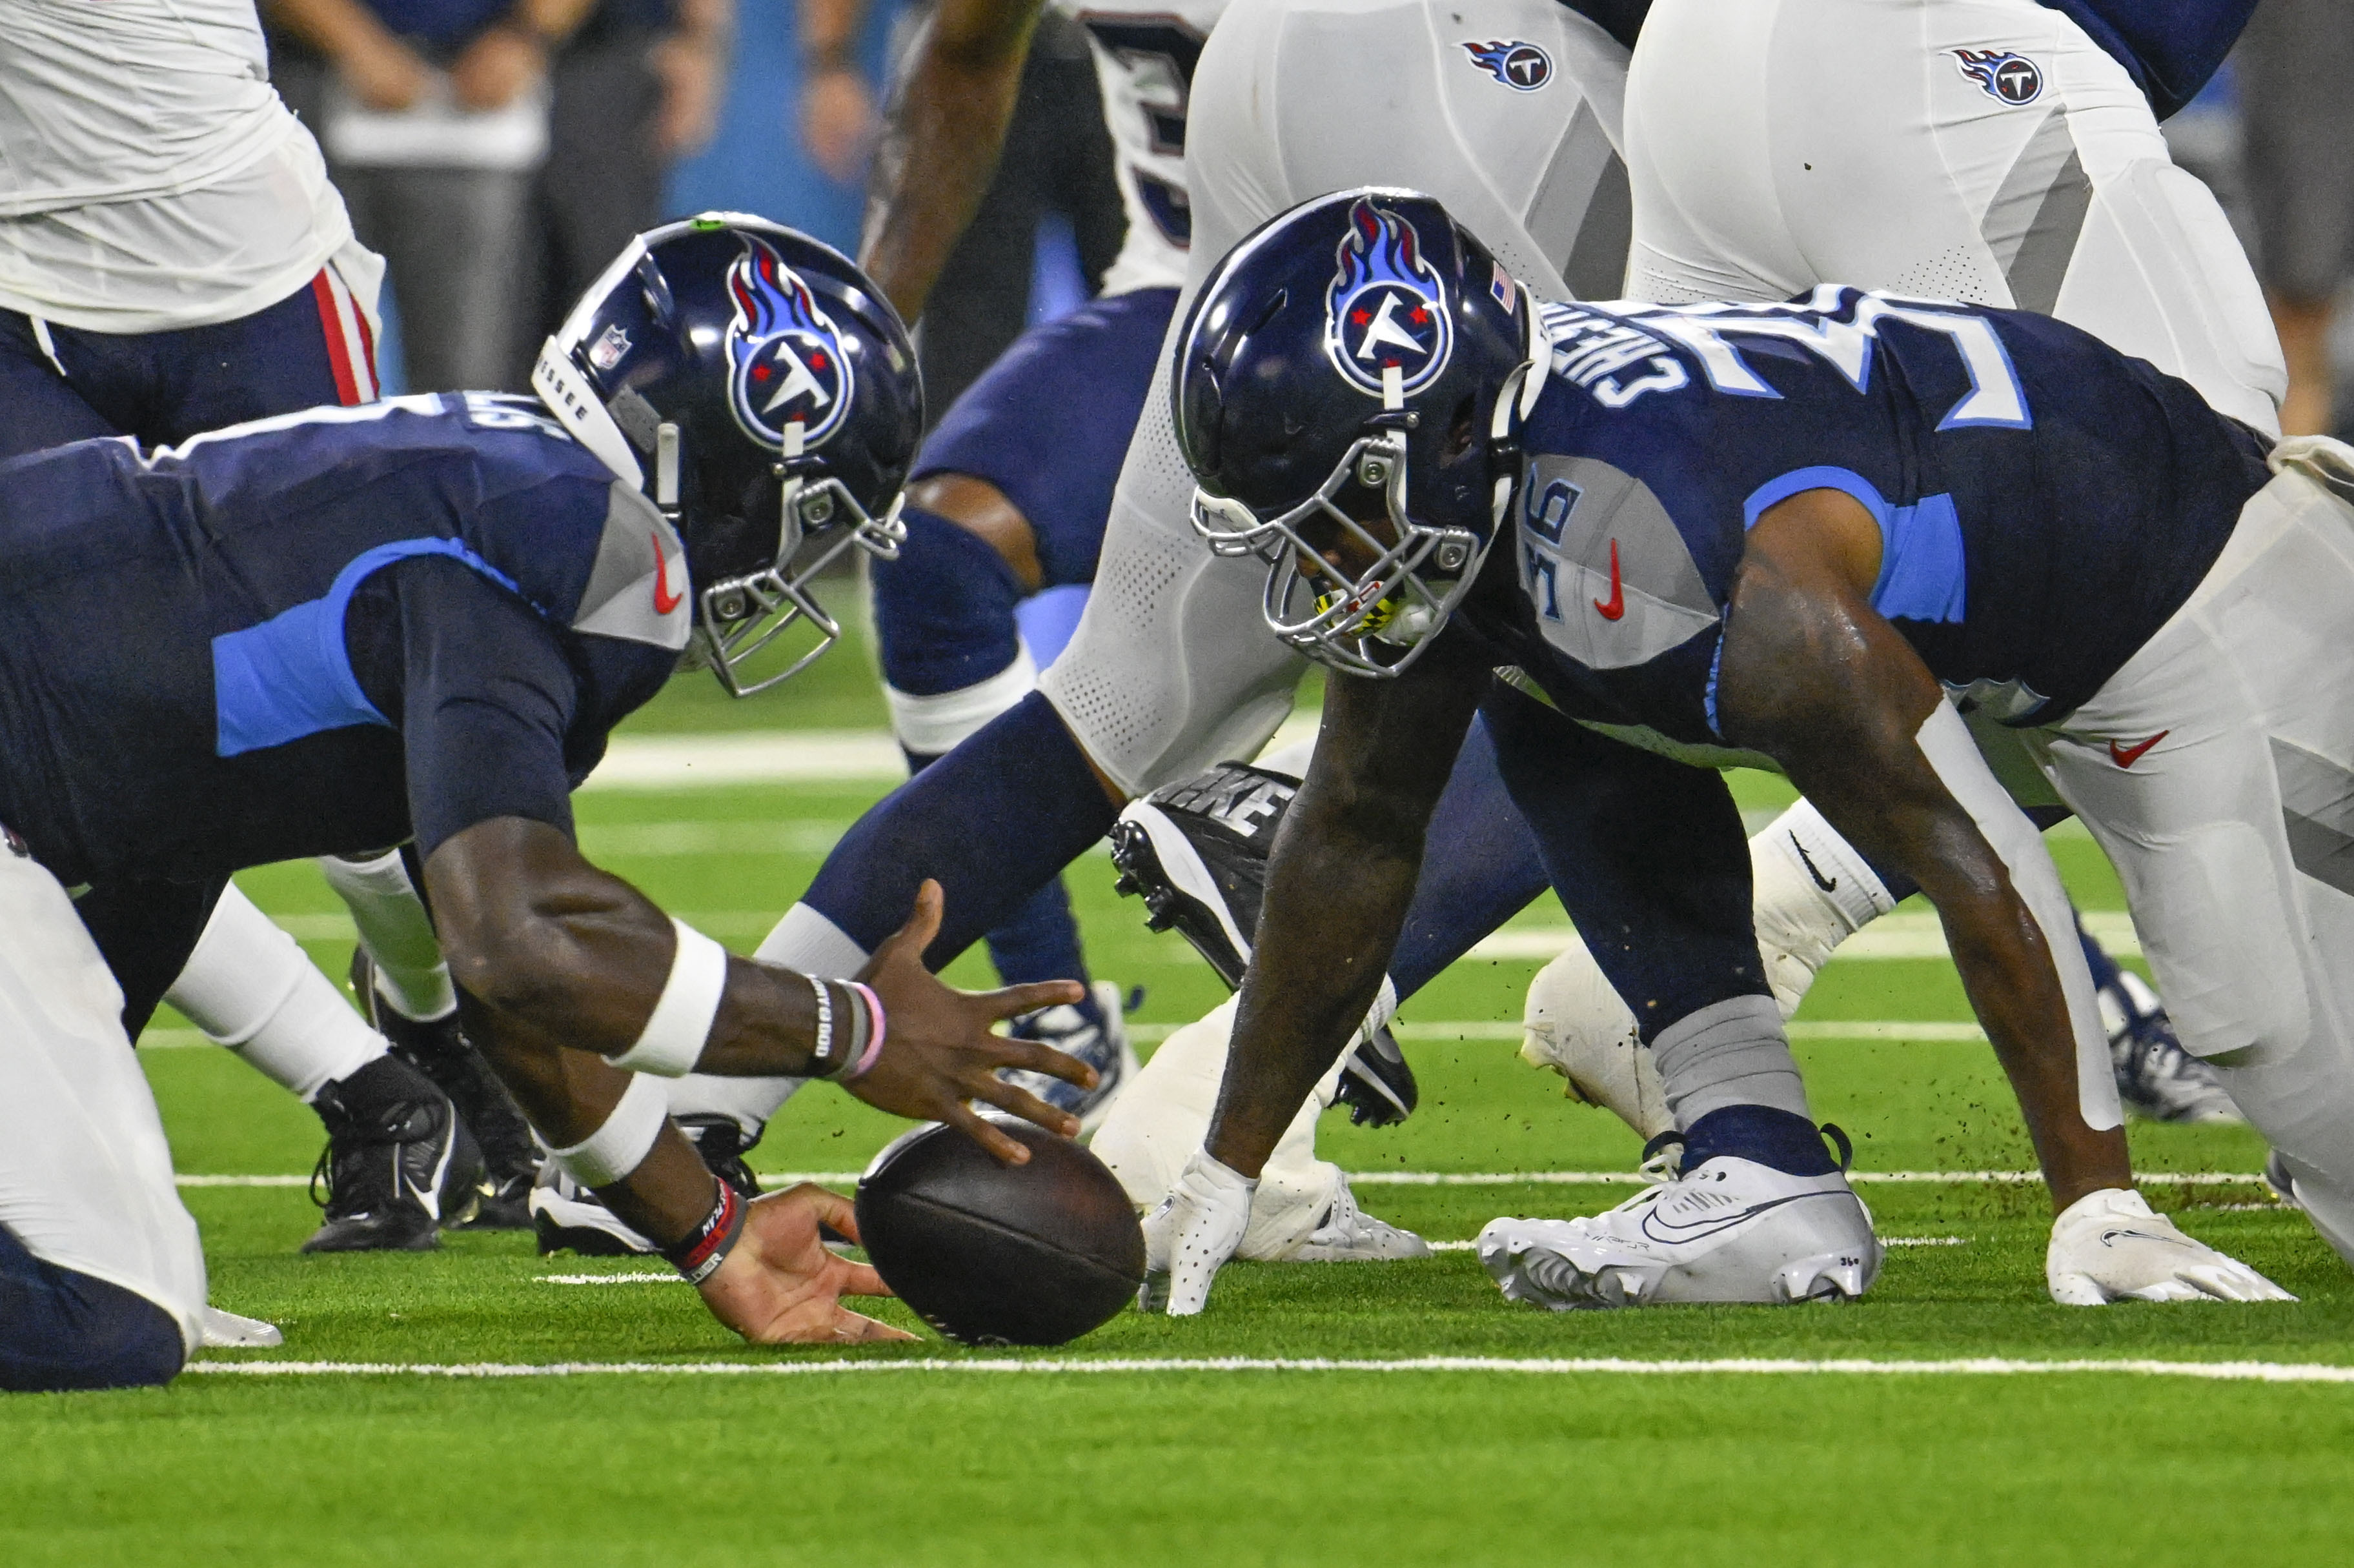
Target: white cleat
[1732,1230]
[227,1331]
[1349,1234]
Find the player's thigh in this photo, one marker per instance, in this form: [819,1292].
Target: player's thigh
[1506,111]
[1048,426]
[85,1175]
[38,406]
[2229,831]
[1708,222]
[311,348]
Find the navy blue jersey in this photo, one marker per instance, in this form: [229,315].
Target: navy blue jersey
[318,633]
[2045,502]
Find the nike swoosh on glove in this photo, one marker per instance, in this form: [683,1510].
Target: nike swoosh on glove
[2108,1246]
[1192,1234]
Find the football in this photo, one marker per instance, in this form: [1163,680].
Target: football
[1001,1255]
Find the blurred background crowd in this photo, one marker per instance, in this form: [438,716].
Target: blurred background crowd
[497,154]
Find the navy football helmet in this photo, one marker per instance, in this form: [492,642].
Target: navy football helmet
[1351,379]
[764,395]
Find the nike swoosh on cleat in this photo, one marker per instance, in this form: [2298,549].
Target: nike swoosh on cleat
[1617,606]
[1655,1229]
[2127,756]
[2109,1237]
[1829,885]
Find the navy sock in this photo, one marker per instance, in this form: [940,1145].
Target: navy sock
[994,821]
[2104,967]
[1479,868]
[944,612]
[1041,942]
[1782,1140]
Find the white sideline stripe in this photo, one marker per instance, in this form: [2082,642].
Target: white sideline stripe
[1979,1366]
[1457,1178]
[1907,934]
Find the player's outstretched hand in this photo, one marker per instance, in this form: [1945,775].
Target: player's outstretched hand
[2108,1246]
[1192,1234]
[938,1054]
[781,1287]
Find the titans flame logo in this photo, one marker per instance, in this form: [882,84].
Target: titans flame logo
[1522,67]
[2007,77]
[786,355]
[1385,308]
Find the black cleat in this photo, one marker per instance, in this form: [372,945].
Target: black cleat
[398,1163]
[438,1048]
[568,1217]
[1196,853]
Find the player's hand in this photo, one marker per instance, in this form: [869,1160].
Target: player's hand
[938,1054]
[1192,1234]
[384,73]
[2108,1246]
[781,1287]
[496,68]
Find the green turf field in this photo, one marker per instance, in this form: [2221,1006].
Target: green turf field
[1494,1445]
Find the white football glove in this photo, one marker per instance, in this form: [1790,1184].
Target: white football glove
[2108,1246]
[1192,1234]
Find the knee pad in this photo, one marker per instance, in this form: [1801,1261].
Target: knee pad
[944,610]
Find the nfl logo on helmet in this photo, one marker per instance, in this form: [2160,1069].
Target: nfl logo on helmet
[787,358]
[2007,77]
[1385,308]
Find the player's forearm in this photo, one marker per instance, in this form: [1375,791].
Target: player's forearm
[571,1099]
[547,943]
[941,145]
[2006,965]
[337,28]
[1336,898]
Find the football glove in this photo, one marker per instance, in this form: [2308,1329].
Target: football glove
[1192,1234]
[2108,1246]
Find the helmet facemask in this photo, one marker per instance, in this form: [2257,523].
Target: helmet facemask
[740,617]
[1378,621]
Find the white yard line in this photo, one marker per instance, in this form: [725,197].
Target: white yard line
[1907,934]
[1977,1366]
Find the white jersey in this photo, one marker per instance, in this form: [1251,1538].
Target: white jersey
[1144,52]
[150,177]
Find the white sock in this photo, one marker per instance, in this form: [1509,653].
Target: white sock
[1799,919]
[249,987]
[393,928]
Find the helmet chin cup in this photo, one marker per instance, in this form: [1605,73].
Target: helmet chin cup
[1376,623]
[739,617]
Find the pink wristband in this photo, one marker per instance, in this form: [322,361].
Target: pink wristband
[873,1035]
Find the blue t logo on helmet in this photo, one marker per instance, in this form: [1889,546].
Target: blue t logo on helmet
[1385,310]
[787,354]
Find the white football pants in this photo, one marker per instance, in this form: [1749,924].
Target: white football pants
[2234,832]
[1776,145]
[1173,667]
[85,1174]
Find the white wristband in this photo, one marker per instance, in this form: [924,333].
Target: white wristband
[616,1148]
[672,1042]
